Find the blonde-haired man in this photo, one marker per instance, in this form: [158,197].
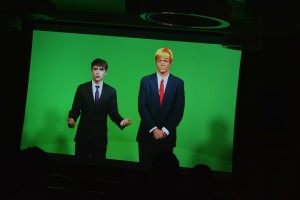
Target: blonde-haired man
[161,103]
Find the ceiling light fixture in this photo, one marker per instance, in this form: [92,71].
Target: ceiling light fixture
[187,14]
[185,20]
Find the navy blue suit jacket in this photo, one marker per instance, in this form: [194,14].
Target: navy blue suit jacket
[168,115]
[92,126]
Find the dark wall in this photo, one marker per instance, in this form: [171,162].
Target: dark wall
[266,150]
[14,71]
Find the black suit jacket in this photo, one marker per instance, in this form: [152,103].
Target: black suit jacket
[168,115]
[92,126]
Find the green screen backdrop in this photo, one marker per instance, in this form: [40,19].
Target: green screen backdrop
[60,61]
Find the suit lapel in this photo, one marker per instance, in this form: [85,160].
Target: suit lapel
[169,88]
[154,88]
[102,93]
[89,90]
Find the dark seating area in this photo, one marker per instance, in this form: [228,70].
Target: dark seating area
[78,181]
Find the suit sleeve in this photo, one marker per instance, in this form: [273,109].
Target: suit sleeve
[146,105]
[75,110]
[114,112]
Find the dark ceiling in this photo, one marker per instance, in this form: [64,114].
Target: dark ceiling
[247,17]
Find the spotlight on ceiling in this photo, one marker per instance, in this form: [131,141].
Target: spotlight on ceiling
[192,14]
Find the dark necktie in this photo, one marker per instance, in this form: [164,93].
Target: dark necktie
[161,91]
[97,96]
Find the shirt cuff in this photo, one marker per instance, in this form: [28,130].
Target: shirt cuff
[165,130]
[122,122]
[152,129]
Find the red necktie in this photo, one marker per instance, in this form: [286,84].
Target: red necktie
[161,91]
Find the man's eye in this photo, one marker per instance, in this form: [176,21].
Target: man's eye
[99,68]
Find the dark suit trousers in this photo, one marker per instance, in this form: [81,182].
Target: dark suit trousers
[148,150]
[90,151]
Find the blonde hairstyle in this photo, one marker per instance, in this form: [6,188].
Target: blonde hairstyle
[164,52]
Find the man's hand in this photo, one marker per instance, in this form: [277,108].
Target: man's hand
[158,134]
[71,122]
[126,122]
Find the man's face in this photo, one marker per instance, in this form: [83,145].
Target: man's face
[163,65]
[98,73]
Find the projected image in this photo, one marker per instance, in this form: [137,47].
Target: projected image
[61,61]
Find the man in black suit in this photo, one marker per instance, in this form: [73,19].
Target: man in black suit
[160,114]
[91,136]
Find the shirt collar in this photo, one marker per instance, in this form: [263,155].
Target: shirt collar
[165,78]
[100,84]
